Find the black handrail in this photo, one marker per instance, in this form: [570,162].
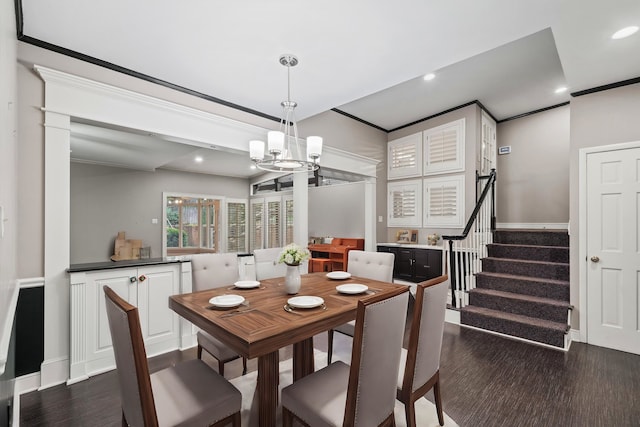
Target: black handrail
[490,185]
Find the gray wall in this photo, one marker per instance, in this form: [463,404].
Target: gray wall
[602,118]
[472,116]
[337,210]
[347,134]
[105,200]
[533,181]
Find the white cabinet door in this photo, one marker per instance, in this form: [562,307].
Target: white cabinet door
[98,336]
[160,325]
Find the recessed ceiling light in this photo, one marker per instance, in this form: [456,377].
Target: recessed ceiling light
[429,76]
[625,32]
[561,89]
[198,159]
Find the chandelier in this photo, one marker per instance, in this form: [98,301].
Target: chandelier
[283,146]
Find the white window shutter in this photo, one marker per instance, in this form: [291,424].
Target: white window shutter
[444,148]
[273,222]
[444,202]
[288,220]
[236,226]
[404,201]
[404,157]
[257,224]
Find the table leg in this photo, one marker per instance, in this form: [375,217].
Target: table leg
[268,379]
[303,363]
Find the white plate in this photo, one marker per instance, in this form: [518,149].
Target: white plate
[338,275]
[247,284]
[352,288]
[226,300]
[305,302]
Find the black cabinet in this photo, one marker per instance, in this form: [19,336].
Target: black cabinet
[415,264]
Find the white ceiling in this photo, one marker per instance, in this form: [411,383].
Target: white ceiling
[364,57]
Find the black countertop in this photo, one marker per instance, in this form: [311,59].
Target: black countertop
[106,265]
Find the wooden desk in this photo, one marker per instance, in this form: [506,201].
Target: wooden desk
[262,332]
[337,251]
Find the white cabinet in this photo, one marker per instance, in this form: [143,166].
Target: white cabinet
[147,287]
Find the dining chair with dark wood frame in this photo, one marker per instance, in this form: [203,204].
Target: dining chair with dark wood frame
[420,362]
[189,393]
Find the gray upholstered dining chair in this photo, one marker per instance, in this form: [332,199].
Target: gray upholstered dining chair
[210,271]
[189,393]
[267,265]
[370,265]
[420,362]
[362,394]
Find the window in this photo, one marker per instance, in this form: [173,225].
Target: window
[444,148]
[192,224]
[444,201]
[236,226]
[404,203]
[405,157]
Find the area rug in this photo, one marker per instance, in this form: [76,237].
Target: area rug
[425,410]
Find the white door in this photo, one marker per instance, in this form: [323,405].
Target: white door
[613,249]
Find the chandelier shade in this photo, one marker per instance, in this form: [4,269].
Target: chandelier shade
[282,152]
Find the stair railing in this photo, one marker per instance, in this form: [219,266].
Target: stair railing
[465,251]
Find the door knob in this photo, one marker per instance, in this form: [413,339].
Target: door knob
[595,259]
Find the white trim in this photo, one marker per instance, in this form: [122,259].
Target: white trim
[54,372]
[567,342]
[582,225]
[27,383]
[452,316]
[7,329]
[32,282]
[534,225]
[574,335]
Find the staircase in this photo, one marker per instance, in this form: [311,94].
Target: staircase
[523,289]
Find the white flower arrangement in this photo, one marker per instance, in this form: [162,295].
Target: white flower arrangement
[293,254]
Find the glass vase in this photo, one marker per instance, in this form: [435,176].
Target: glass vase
[292,279]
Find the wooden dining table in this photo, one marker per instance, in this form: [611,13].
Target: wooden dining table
[262,326]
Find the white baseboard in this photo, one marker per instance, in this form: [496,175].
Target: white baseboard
[54,372]
[534,225]
[452,316]
[574,334]
[23,384]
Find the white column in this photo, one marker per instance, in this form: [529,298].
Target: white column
[370,238]
[301,209]
[55,367]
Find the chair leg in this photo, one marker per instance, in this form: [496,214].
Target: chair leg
[221,368]
[438,399]
[287,418]
[237,419]
[124,421]
[330,346]
[244,365]
[199,352]
[410,413]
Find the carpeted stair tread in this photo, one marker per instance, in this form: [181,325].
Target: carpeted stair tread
[522,297]
[528,268]
[535,286]
[526,305]
[531,252]
[528,279]
[532,237]
[556,326]
[516,325]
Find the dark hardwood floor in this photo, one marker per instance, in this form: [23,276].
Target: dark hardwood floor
[486,381]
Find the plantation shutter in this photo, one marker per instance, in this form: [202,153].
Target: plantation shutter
[444,148]
[405,203]
[444,202]
[236,227]
[273,223]
[288,207]
[257,226]
[405,157]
